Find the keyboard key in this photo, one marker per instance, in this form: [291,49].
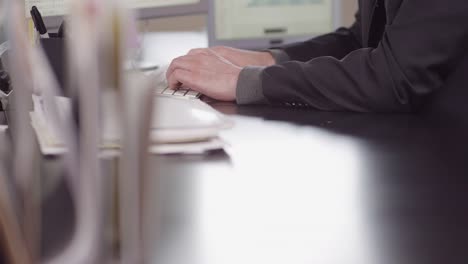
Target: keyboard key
[169,92]
[180,92]
[160,90]
[192,94]
[184,90]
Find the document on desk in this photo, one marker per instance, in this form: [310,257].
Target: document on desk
[50,144]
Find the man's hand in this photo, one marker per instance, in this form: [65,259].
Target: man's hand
[205,72]
[241,58]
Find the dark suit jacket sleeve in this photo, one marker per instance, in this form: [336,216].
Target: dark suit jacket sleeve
[421,47]
[336,44]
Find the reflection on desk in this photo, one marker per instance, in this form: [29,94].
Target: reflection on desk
[299,186]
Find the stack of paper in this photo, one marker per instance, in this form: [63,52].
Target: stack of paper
[171,133]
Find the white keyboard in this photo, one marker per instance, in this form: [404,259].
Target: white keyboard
[187,93]
[163,89]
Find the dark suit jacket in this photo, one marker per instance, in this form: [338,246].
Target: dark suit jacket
[397,53]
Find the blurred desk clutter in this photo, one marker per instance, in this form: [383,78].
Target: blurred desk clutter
[193,130]
[101,163]
[74,91]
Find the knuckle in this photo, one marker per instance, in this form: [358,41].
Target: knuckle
[196,51]
[176,61]
[219,49]
[171,67]
[206,64]
[192,51]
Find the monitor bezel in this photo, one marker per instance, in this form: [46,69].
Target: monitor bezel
[178,10]
[263,42]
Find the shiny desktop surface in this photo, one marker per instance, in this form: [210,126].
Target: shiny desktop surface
[300,186]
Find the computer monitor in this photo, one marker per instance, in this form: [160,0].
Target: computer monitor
[260,24]
[53,10]
[147,9]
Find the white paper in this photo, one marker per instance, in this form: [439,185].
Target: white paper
[50,148]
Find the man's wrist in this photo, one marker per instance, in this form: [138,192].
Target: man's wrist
[249,86]
[267,58]
[280,56]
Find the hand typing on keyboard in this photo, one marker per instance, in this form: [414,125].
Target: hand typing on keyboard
[206,72]
[162,87]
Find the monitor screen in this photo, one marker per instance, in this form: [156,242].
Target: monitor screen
[242,21]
